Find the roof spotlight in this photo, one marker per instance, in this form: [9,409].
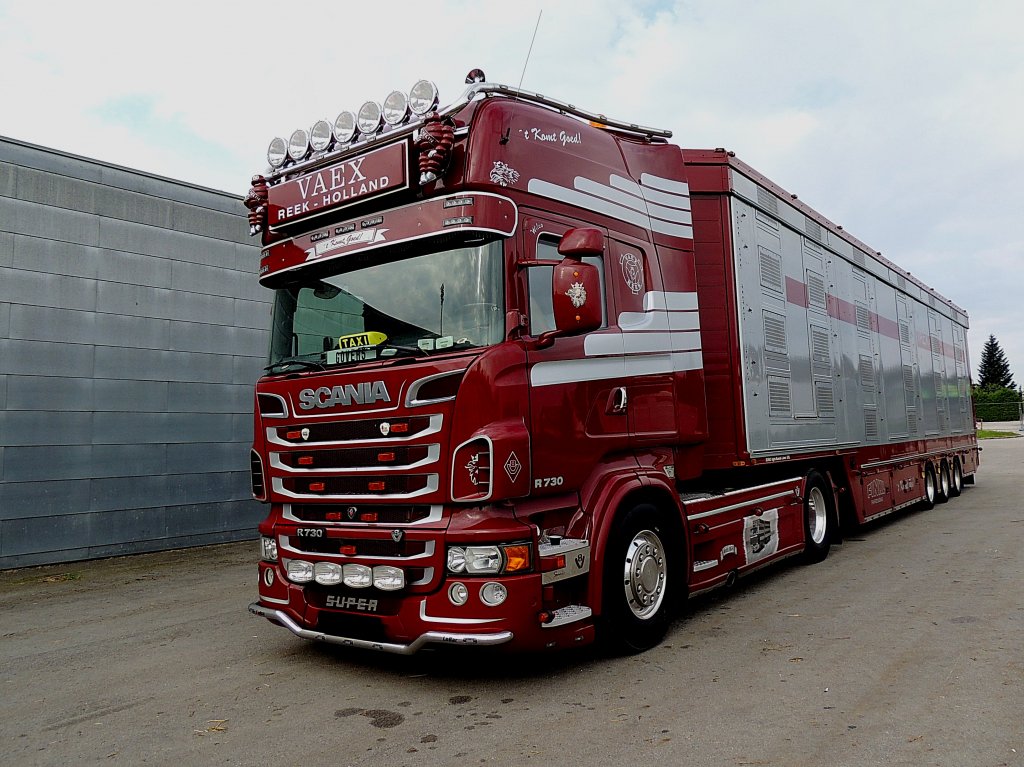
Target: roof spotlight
[277,152]
[320,135]
[298,144]
[345,127]
[423,97]
[370,117]
[396,108]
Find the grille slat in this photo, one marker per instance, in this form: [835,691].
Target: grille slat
[333,512]
[352,431]
[356,457]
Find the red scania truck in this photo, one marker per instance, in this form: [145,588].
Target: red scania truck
[536,373]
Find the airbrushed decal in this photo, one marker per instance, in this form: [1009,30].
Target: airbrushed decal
[656,203]
[503,175]
[664,338]
[761,535]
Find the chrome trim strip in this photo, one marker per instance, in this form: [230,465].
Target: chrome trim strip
[733,507]
[433,455]
[433,427]
[410,395]
[436,512]
[436,637]
[460,621]
[277,483]
[428,552]
[911,458]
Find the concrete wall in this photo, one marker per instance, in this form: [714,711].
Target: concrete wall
[132,330]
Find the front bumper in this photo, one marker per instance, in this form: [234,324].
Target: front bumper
[430,637]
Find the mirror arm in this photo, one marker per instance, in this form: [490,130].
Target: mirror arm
[542,262]
[546,339]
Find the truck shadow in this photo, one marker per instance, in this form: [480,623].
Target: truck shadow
[495,666]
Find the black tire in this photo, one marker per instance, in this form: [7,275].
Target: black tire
[819,517]
[956,484]
[641,577]
[944,483]
[931,488]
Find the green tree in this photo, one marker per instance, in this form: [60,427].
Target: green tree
[994,370]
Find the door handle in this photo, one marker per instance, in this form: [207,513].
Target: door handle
[617,401]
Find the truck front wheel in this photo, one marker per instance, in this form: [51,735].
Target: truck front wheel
[639,580]
[819,515]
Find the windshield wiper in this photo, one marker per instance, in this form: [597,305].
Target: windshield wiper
[299,361]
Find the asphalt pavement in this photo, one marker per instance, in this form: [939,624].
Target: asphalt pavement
[905,647]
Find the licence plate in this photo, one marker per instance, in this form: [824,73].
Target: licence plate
[341,356]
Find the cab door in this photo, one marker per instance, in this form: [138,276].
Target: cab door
[577,416]
[649,338]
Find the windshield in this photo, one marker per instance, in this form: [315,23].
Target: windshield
[421,305]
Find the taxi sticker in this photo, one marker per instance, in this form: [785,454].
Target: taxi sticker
[361,340]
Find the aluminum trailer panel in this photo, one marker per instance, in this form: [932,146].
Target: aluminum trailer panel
[834,347]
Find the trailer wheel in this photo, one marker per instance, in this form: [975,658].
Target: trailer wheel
[639,580]
[930,488]
[819,516]
[957,484]
[944,482]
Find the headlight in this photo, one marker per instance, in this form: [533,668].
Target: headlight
[320,135]
[422,97]
[456,559]
[458,593]
[387,578]
[345,127]
[493,594]
[327,573]
[369,119]
[505,559]
[357,576]
[298,144]
[396,108]
[482,559]
[277,152]
[299,571]
[268,549]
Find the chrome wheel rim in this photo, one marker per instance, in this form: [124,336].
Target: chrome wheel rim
[945,480]
[958,477]
[816,522]
[645,574]
[929,486]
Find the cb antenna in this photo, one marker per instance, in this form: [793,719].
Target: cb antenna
[508,129]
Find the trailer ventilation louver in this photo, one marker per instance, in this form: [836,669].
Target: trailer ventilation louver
[867,373]
[775,333]
[815,290]
[904,333]
[824,398]
[779,402]
[771,269]
[870,424]
[813,229]
[863,319]
[768,201]
[820,354]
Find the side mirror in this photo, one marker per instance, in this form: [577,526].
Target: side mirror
[580,242]
[575,300]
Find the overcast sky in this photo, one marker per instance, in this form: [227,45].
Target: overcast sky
[902,121]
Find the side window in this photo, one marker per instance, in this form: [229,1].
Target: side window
[542,317]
